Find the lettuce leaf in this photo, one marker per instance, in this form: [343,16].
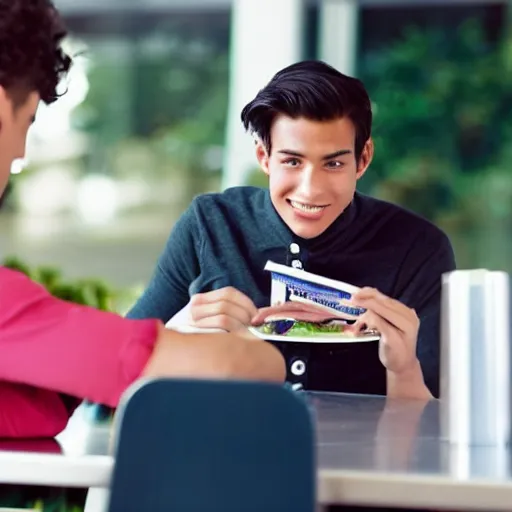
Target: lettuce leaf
[300,328]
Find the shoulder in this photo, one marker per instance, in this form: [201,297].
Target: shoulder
[234,203]
[234,197]
[214,215]
[218,211]
[400,220]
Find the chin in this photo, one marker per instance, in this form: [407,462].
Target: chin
[307,232]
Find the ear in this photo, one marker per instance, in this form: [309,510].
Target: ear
[262,156]
[6,107]
[366,158]
[5,104]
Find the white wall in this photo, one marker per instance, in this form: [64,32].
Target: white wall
[266,37]
[338,34]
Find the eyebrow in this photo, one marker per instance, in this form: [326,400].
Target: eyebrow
[341,152]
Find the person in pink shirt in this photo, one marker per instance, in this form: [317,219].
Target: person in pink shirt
[53,353]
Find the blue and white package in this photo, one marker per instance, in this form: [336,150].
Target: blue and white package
[290,284]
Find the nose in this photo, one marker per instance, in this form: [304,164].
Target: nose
[311,183]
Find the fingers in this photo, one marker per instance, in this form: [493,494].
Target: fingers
[395,312]
[261,314]
[224,322]
[227,294]
[371,320]
[227,309]
[396,349]
[397,324]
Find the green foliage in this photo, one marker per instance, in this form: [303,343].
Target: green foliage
[171,103]
[443,135]
[47,499]
[257,178]
[440,99]
[88,292]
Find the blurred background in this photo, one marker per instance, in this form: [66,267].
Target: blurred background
[151,118]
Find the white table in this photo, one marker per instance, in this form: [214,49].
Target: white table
[389,453]
[83,461]
[370,452]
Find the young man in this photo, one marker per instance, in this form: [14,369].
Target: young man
[313,130]
[53,353]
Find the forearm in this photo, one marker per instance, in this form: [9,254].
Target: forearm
[59,346]
[83,353]
[408,384]
[260,361]
[215,356]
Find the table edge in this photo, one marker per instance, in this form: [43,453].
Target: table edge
[399,489]
[48,469]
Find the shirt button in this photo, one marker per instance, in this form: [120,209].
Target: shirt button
[298,368]
[297,264]
[294,249]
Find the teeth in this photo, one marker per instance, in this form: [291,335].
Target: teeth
[305,207]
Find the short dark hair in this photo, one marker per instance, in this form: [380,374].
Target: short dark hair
[316,91]
[31,58]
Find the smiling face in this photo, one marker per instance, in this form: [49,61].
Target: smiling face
[15,121]
[312,171]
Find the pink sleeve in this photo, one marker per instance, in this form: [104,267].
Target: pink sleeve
[30,412]
[56,345]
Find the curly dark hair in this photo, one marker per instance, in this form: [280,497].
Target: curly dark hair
[316,91]
[31,58]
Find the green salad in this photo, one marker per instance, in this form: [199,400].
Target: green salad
[301,328]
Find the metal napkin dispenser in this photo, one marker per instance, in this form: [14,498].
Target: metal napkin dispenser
[476,358]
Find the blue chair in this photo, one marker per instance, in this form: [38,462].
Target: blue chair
[213,446]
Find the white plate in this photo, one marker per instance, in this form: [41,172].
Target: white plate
[188,329]
[326,338]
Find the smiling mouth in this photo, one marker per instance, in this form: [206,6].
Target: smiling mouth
[311,208]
